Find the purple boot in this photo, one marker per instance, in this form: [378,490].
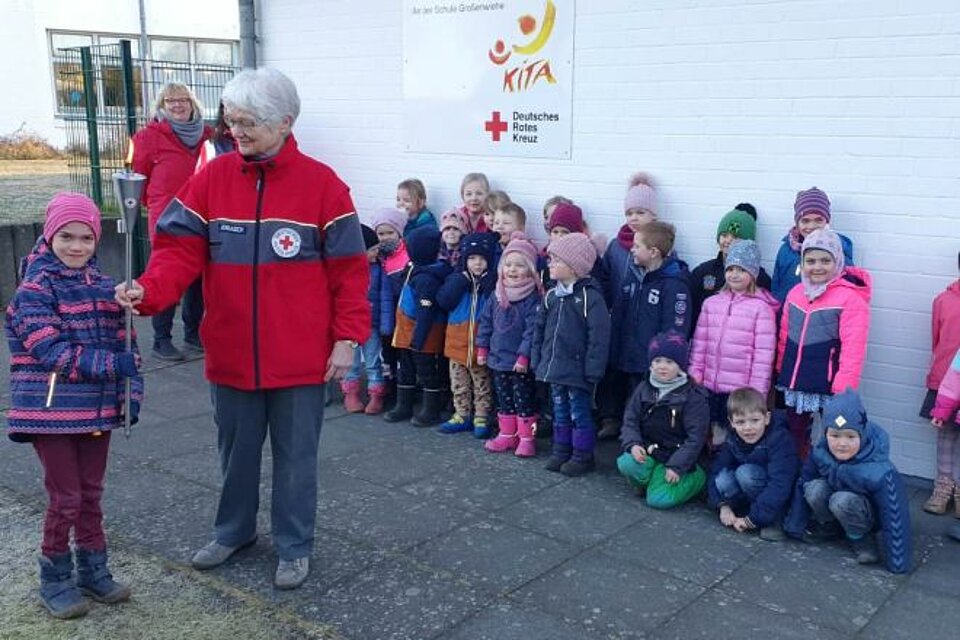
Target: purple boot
[562,448]
[581,461]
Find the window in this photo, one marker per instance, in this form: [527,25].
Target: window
[220,53]
[170,50]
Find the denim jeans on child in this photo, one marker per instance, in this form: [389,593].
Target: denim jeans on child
[572,406]
[852,510]
[742,485]
[367,357]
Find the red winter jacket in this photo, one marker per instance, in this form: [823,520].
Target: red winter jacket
[284,268]
[166,162]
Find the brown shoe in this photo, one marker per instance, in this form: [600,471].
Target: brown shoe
[609,429]
[943,491]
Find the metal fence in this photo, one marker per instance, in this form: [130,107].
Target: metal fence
[101,96]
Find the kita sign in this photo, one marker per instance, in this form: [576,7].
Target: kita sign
[488,78]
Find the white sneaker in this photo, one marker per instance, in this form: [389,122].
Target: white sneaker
[291,573]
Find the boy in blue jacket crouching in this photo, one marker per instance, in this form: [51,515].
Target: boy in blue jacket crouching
[850,487]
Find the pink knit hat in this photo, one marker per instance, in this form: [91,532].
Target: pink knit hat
[812,200]
[394,218]
[576,250]
[640,194]
[67,207]
[453,218]
[520,243]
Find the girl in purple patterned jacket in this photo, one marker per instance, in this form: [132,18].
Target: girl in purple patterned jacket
[68,366]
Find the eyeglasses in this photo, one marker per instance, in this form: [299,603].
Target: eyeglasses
[176,100]
[244,124]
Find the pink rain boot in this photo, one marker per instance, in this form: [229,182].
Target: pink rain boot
[527,448]
[507,438]
[377,392]
[351,396]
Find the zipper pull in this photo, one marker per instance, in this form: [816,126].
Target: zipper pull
[673,417]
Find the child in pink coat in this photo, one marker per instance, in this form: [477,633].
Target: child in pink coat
[944,417]
[736,337]
[823,332]
[945,331]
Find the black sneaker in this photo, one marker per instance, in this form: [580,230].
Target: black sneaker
[192,343]
[866,550]
[817,532]
[166,351]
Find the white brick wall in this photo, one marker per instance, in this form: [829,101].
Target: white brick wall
[721,101]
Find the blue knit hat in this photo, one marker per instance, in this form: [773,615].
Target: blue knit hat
[746,255]
[669,344]
[423,245]
[845,411]
[478,244]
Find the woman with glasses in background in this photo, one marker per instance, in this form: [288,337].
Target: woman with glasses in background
[166,152]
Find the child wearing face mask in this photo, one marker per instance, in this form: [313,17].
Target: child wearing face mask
[823,332]
[811,211]
[848,487]
[736,336]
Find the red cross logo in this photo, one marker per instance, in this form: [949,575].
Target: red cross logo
[495,126]
[286,242]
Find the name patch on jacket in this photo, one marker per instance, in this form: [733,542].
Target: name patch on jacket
[286,242]
[232,228]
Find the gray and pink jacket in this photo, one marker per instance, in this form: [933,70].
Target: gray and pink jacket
[948,397]
[735,341]
[823,343]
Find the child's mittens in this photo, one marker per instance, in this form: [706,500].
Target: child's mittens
[482,354]
[126,365]
[522,364]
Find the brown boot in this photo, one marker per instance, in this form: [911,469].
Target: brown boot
[943,491]
[609,429]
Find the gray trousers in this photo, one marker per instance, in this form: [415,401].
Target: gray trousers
[293,417]
[852,510]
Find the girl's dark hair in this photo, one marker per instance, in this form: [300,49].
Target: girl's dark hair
[748,209]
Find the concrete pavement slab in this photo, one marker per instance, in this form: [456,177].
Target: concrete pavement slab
[513,621]
[609,596]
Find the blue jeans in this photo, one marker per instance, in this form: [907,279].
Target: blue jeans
[852,510]
[741,485]
[572,406]
[367,356]
[293,417]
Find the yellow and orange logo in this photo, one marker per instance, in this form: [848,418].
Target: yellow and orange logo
[526,75]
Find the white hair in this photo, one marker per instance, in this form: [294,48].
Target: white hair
[266,93]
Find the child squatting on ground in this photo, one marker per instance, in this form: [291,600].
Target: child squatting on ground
[571,345]
[752,476]
[68,367]
[665,428]
[465,297]
[505,345]
[849,487]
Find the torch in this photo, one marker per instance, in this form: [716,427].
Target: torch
[128,187]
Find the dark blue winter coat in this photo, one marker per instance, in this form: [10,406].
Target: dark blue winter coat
[786,270]
[870,474]
[507,334]
[572,337]
[643,308]
[776,454]
[677,423]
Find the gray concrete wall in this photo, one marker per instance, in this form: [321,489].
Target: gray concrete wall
[16,241]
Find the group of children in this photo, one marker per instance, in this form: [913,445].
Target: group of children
[526,333]
[710,378]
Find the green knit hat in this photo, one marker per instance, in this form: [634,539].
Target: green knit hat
[739,224]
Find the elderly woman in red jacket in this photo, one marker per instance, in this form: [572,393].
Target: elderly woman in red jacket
[166,152]
[276,237]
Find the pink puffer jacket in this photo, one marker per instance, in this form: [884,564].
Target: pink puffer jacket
[735,341]
[948,398]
